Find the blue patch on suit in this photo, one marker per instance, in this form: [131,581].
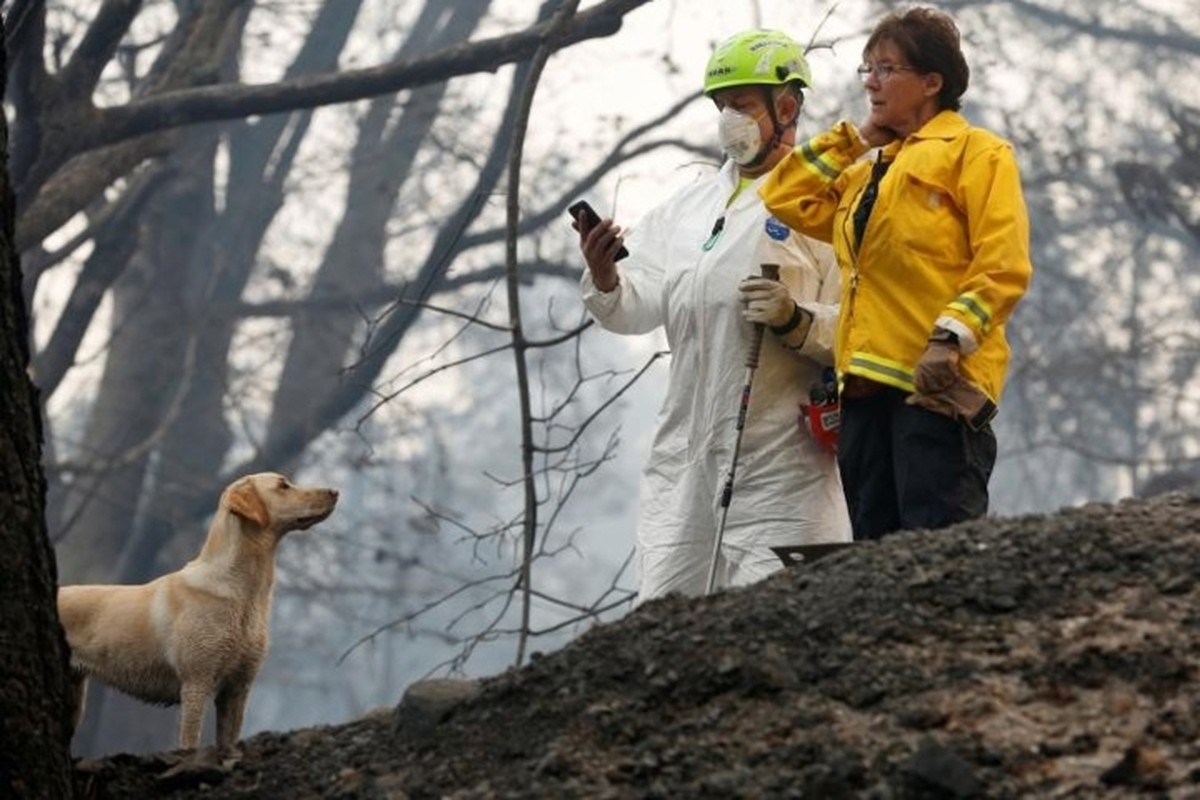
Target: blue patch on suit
[777,230]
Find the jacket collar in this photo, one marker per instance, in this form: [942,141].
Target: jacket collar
[945,125]
[729,172]
[731,175]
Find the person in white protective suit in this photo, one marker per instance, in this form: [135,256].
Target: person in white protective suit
[692,267]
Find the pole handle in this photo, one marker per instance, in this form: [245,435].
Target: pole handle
[770,272]
[756,337]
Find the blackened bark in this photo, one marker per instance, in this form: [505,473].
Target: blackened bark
[34,696]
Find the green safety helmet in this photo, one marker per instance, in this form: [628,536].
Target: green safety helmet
[756,57]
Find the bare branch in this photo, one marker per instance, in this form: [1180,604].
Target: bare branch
[103,36]
[115,241]
[207,104]
[603,406]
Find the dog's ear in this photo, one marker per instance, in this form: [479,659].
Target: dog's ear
[245,501]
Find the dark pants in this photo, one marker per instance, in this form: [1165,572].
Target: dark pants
[907,467]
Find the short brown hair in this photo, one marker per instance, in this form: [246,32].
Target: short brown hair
[930,42]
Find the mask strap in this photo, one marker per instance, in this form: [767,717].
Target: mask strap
[776,132]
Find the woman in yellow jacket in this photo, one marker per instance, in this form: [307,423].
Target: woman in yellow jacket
[932,240]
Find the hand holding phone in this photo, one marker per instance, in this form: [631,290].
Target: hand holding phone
[582,212]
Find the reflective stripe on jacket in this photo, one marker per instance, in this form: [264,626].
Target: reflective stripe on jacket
[947,244]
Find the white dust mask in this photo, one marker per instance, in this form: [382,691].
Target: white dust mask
[739,135]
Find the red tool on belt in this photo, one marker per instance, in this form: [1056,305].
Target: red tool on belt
[822,415]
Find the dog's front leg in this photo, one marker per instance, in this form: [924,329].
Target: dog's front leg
[192,698]
[79,690]
[231,707]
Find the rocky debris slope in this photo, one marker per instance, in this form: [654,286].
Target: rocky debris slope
[1040,656]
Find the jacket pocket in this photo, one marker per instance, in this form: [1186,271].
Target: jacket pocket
[928,221]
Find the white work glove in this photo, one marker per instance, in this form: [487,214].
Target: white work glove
[766,301]
[769,303]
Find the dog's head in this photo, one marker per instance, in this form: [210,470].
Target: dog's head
[270,501]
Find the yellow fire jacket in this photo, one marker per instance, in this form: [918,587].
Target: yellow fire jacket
[946,245]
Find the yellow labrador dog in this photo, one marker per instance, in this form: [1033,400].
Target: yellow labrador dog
[198,634]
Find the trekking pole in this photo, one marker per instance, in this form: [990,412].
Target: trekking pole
[768,271]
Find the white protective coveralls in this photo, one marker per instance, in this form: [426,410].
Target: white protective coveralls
[787,490]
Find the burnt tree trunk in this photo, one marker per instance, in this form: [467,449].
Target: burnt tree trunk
[34,695]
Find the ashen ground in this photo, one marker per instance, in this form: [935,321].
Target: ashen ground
[1039,656]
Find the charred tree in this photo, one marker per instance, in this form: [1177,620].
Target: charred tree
[35,697]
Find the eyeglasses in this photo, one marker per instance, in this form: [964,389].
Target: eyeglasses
[882,71]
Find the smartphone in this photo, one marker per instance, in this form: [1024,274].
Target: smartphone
[583,210]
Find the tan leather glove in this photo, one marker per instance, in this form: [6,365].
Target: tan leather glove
[960,400]
[937,370]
